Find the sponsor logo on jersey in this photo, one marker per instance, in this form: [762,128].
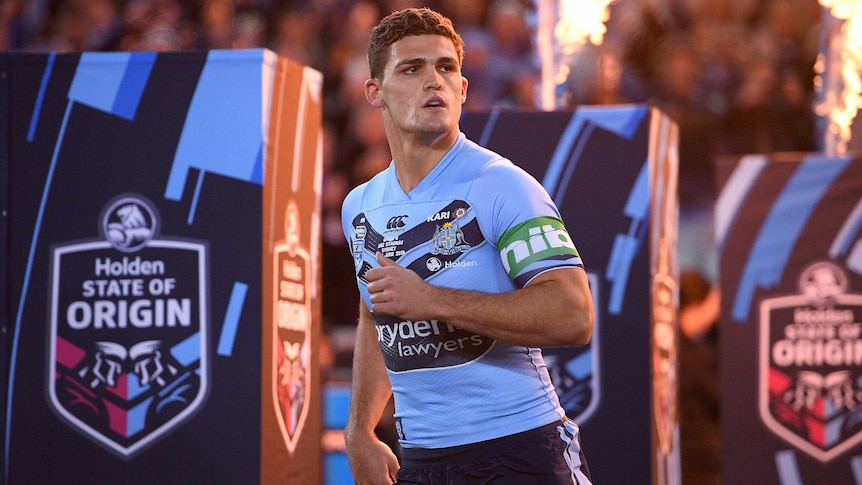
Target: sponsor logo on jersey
[291,356]
[534,240]
[447,214]
[410,345]
[461,264]
[433,264]
[810,383]
[439,216]
[396,222]
[128,358]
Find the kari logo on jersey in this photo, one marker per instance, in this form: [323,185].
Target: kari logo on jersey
[291,364]
[810,356]
[128,359]
[447,214]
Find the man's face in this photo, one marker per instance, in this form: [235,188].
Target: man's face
[422,89]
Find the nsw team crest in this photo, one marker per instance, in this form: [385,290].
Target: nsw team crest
[128,330]
[810,382]
[291,365]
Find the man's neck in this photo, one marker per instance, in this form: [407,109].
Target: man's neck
[415,159]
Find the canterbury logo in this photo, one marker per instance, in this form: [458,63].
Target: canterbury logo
[396,222]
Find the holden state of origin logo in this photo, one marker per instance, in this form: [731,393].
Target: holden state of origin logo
[291,356]
[128,359]
[810,380]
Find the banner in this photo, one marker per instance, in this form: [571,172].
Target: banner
[788,228]
[142,227]
[612,171]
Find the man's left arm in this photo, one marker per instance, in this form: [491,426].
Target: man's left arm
[554,309]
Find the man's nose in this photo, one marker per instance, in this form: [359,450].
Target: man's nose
[433,80]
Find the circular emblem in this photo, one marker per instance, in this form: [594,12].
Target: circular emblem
[433,264]
[822,282]
[129,223]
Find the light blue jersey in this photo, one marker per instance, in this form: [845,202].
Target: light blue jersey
[476,222]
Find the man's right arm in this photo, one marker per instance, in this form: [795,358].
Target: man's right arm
[371,460]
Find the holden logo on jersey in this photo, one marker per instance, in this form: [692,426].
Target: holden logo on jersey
[433,264]
[128,359]
[810,384]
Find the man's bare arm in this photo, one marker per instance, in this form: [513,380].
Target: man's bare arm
[554,309]
[371,461]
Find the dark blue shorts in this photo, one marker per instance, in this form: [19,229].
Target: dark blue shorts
[543,456]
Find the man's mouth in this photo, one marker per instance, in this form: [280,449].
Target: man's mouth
[435,103]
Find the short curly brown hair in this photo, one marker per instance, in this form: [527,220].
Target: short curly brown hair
[400,24]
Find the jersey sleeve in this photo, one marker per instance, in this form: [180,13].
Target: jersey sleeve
[349,210]
[354,228]
[525,223]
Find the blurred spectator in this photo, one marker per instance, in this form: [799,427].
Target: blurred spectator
[510,53]
[74,26]
[295,35]
[156,25]
[249,28]
[216,19]
[470,19]
[680,91]
[736,75]
[699,303]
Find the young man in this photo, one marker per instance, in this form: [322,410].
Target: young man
[465,269]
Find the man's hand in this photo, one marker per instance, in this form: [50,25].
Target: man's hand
[555,308]
[396,290]
[371,461]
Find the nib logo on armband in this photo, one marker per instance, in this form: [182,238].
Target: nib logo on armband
[810,383]
[128,355]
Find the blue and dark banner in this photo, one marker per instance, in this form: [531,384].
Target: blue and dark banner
[789,227]
[612,173]
[134,250]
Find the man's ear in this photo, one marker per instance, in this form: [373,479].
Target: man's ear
[372,93]
[464,84]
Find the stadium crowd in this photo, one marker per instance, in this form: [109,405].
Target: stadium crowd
[737,75]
